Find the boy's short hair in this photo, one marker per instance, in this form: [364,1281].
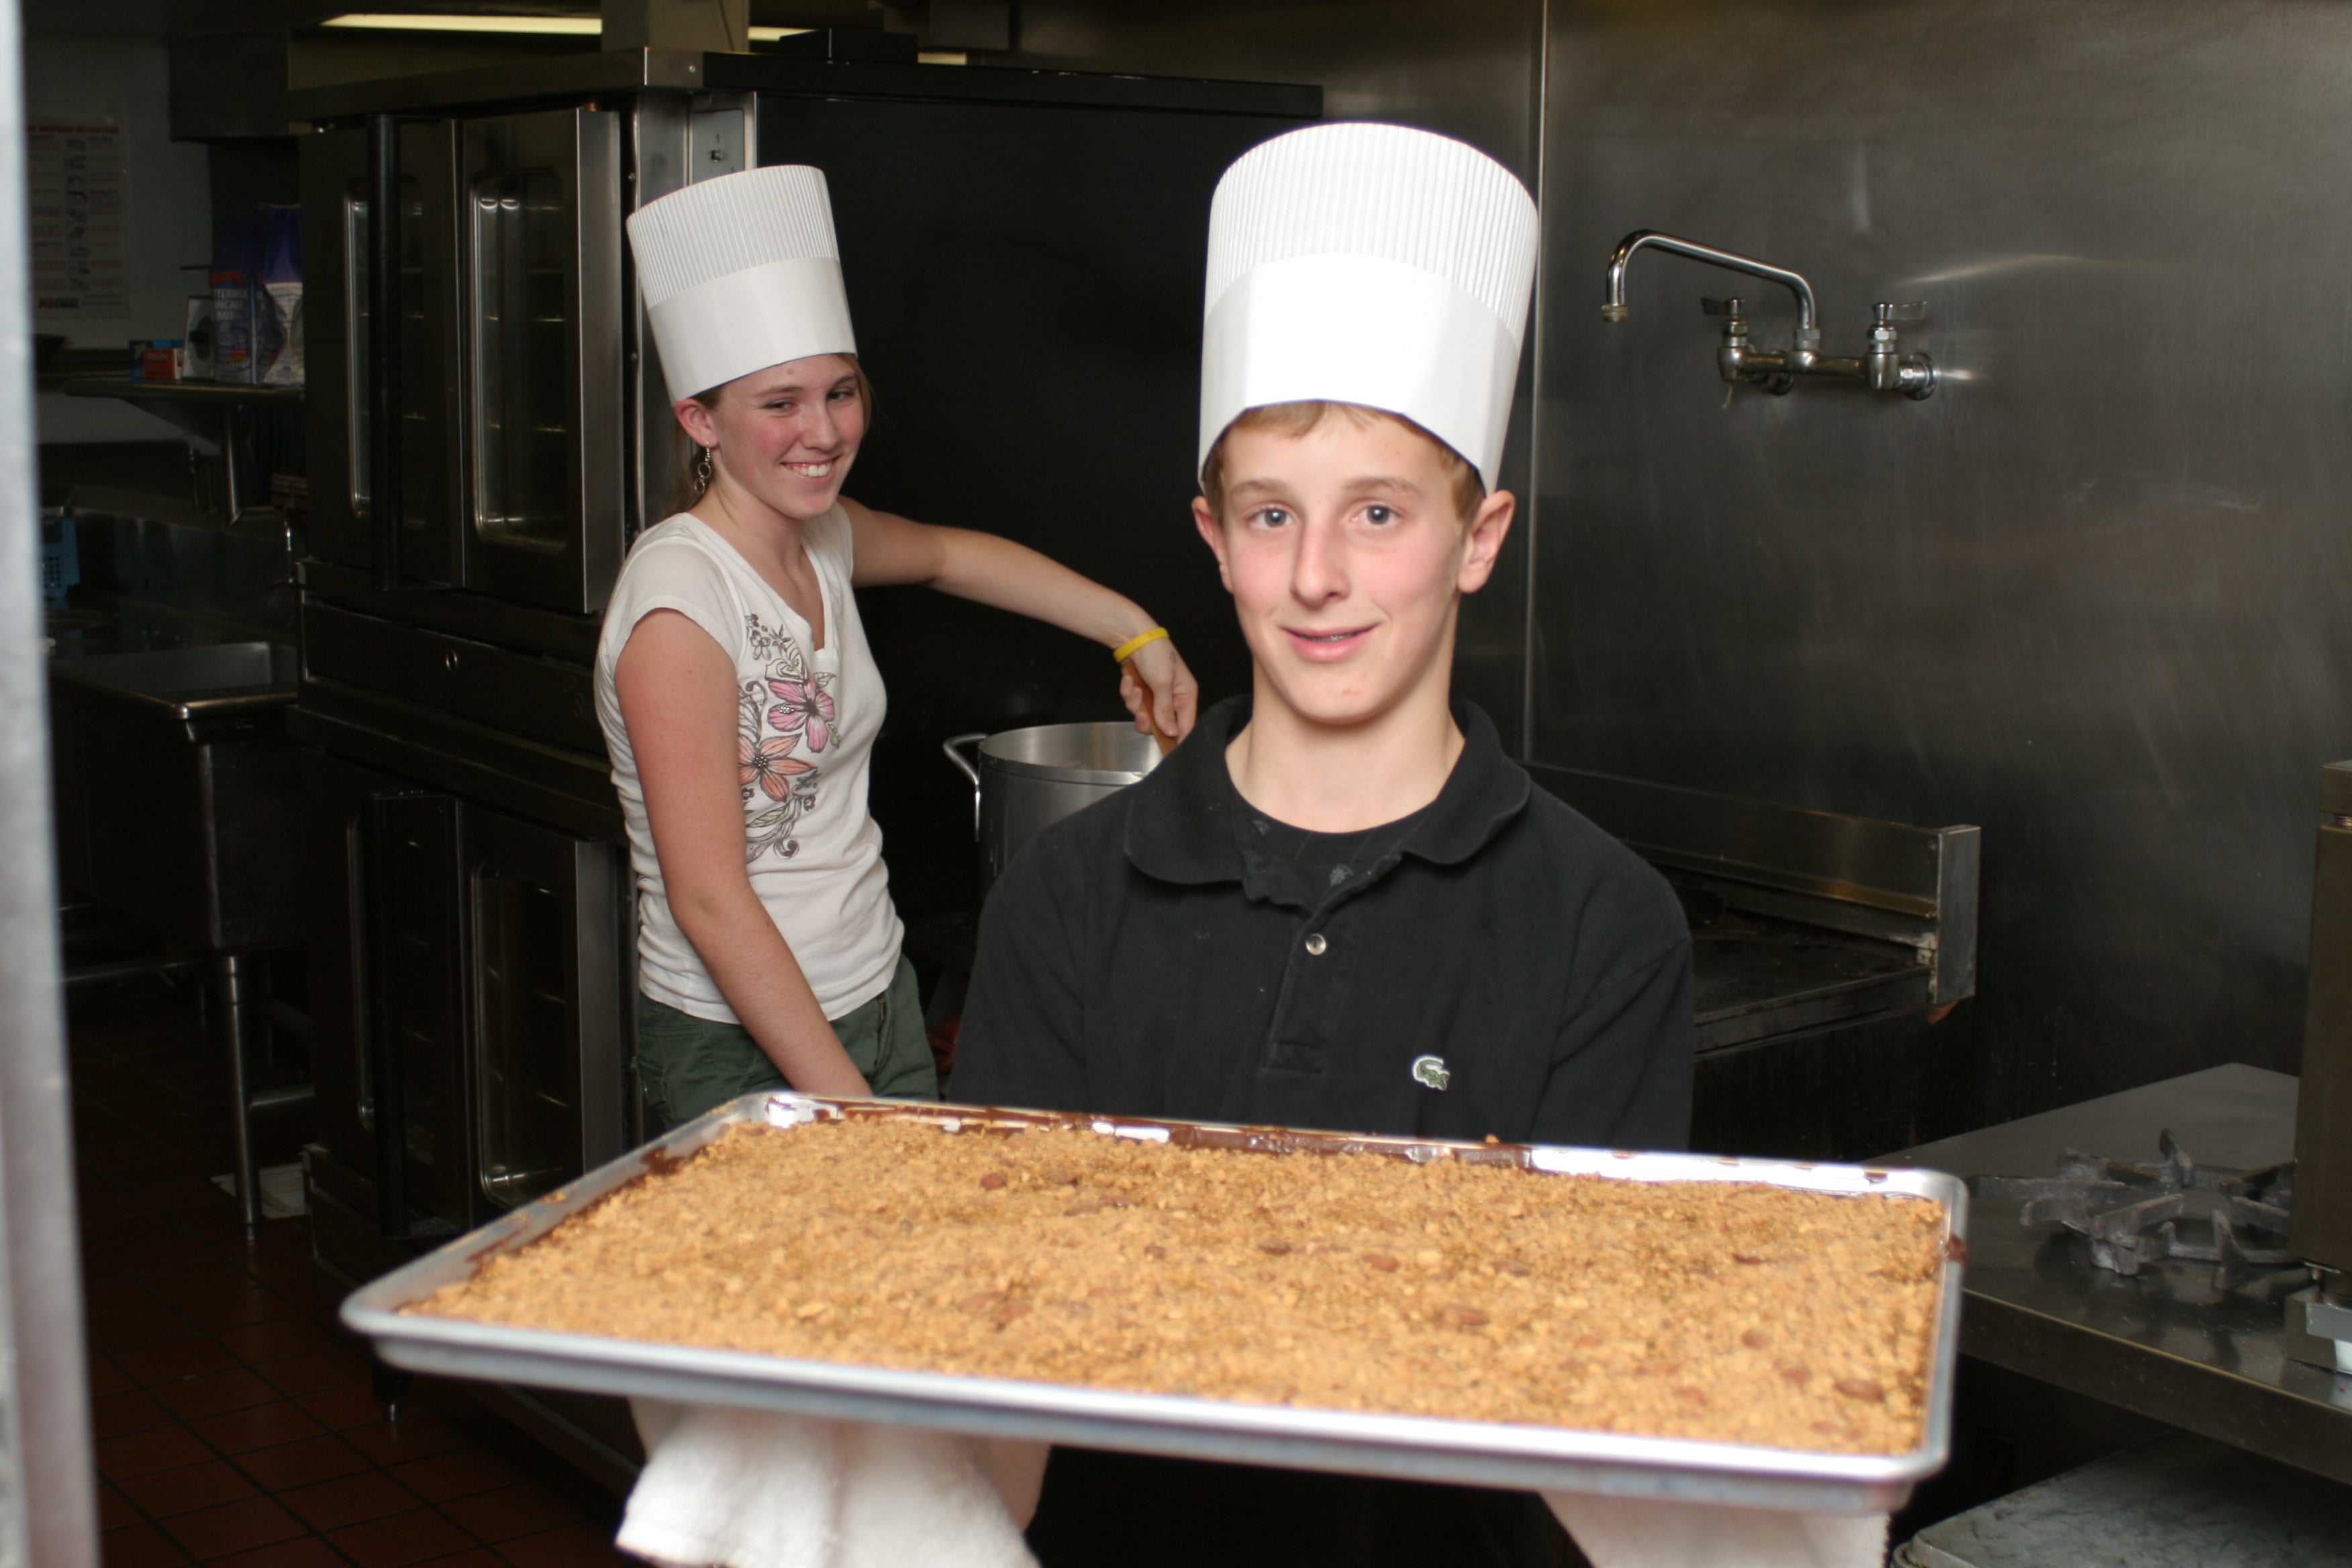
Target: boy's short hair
[1294,421]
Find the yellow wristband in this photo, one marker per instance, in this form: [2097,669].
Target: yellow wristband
[1129,648]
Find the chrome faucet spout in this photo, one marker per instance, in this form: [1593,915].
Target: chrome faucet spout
[1613,307]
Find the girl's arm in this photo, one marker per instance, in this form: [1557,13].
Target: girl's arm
[996,571]
[678,696]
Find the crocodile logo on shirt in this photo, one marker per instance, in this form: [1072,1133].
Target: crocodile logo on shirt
[1431,1071]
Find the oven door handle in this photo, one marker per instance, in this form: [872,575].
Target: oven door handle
[382,390]
[380,1047]
[486,1122]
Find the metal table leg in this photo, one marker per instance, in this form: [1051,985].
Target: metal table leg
[392,1387]
[230,979]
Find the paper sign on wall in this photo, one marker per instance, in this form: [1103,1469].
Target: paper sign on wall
[79,196]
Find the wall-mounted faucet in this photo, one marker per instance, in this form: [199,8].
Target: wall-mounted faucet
[1882,369]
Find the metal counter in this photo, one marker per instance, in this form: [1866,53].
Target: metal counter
[2165,1345]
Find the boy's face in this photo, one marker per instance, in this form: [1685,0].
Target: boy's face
[1346,558]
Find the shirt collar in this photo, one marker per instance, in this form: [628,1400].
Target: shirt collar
[1181,825]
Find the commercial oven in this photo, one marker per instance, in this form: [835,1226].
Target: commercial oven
[504,463]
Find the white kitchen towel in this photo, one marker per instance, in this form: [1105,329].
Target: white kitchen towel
[749,1488]
[1640,1532]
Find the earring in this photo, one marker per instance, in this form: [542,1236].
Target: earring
[702,469]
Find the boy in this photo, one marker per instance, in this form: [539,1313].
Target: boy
[1338,905]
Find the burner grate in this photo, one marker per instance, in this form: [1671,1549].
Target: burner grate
[2132,1214]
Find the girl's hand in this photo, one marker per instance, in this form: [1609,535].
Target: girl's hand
[1175,695]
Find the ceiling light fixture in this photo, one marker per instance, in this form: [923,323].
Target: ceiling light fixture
[429,22]
[419,22]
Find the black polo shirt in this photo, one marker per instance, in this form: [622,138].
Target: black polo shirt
[1505,968]
[1508,969]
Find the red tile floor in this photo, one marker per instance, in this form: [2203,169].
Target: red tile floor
[234,1422]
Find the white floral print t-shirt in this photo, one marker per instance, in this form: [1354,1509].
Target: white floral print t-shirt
[805,721]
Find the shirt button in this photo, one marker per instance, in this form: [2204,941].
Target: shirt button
[1315,944]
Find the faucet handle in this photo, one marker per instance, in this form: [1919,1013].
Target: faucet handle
[1908,314]
[1723,307]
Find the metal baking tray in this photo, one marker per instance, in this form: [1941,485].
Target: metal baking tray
[1418,1448]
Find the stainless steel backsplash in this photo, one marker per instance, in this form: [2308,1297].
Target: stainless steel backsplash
[2094,595]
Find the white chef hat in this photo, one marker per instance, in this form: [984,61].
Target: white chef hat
[741,272]
[1374,265]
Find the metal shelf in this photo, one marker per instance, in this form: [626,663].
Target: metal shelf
[207,410]
[216,393]
[265,523]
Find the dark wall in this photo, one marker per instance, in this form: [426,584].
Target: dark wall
[2096,595]
[246,173]
[1468,69]
[1042,329]
[1133,215]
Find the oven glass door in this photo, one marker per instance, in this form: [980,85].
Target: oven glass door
[548,1094]
[544,394]
[338,814]
[341,419]
[418,1016]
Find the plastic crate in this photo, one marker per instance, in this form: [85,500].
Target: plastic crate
[60,558]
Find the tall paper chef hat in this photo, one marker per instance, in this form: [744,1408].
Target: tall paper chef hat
[741,272]
[1374,265]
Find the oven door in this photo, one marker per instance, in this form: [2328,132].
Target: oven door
[469,1034]
[342,253]
[548,986]
[544,396]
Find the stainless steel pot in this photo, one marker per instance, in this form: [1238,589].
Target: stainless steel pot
[1025,781]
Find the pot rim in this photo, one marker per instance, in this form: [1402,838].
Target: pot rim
[1062,772]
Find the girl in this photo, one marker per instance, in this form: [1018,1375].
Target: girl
[737,696]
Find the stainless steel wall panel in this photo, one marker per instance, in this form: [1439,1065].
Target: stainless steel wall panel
[2093,595]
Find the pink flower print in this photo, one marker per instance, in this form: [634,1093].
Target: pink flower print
[769,764]
[803,708]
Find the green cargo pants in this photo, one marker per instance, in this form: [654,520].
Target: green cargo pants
[688,1065]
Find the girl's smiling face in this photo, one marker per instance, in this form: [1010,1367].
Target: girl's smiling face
[1346,556]
[783,436]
